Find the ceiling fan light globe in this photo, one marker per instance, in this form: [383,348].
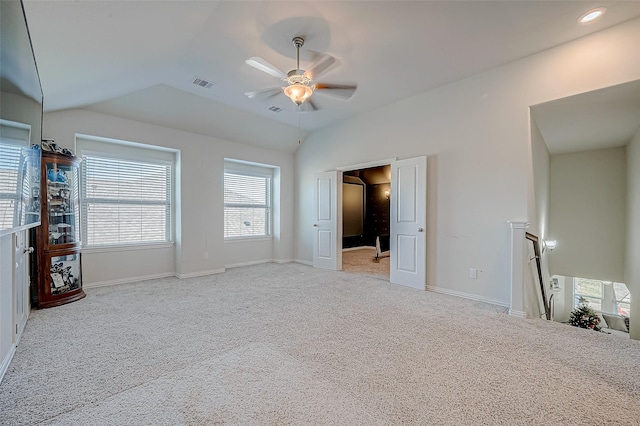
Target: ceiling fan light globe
[298,93]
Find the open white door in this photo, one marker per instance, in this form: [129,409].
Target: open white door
[326,232]
[408,222]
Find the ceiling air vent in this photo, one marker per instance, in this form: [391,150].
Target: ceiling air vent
[202,83]
[274,108]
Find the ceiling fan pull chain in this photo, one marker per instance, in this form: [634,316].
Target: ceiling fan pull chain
[299,138]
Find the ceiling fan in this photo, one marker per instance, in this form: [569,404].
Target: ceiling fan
[300,83]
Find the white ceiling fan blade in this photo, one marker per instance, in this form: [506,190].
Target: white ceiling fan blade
[264,93]
[320,66]
[308,106]
[264,66]
[341,91]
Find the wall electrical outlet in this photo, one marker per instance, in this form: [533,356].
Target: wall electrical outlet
[205,255]
[473,273]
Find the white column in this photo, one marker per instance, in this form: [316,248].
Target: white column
[518,230]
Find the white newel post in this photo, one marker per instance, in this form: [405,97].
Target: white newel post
[518,230]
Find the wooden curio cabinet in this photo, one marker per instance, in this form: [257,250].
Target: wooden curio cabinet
[59,267]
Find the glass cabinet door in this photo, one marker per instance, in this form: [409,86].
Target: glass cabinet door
[64,273]
[62,199]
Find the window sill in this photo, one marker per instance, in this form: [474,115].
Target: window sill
[247,239]
[117,248]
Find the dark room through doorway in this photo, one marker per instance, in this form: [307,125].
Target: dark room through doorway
[365,221]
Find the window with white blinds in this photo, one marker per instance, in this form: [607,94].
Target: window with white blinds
[9,196]
[247,203]
[14,139]
[125,200]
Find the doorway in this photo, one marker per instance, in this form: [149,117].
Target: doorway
[366,221]
[407,220]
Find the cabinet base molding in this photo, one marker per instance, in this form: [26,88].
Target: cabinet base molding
[51,303]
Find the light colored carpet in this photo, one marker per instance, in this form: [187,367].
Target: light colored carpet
[289,344]
[362,262]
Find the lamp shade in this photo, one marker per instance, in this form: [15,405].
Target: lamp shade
[298,93]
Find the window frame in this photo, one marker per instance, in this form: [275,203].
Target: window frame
[242,168]
[576,296]
[618,301]
[108,149]
[609,302]
[12,197]
[18,135]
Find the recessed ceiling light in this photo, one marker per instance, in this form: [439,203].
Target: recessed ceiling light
[591,15]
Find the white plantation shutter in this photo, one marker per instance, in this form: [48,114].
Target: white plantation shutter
[247,203]
[125,200]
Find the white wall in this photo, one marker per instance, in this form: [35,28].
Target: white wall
[6,302]
[588,214]
[200,207]
[539,205]
[476,136]
[563,299]
[632,258]
[541,166]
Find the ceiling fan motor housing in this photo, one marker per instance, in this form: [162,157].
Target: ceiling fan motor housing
[298,42]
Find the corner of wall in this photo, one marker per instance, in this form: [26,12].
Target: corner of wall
[632,254]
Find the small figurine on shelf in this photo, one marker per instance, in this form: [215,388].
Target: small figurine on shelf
[56,175]
[64,193]
[67,152]
[34,205]
[51,146]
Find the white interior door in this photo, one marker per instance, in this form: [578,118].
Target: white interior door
[408,222]
[327,235]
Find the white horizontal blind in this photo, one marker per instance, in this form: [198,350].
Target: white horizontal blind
[125,201]
[9,166]
[13,140]
[247,204]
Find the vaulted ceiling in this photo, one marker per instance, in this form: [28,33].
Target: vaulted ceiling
[138,59]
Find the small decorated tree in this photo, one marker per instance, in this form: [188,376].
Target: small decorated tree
[585,317]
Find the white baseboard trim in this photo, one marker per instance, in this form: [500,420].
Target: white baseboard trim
[467,296]
[180,276]
[304,262]
[253,262]
[518,314]
[128,280]
[259,262]
[7,361]
[200,273]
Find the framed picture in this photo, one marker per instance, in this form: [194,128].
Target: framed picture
[65,273]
